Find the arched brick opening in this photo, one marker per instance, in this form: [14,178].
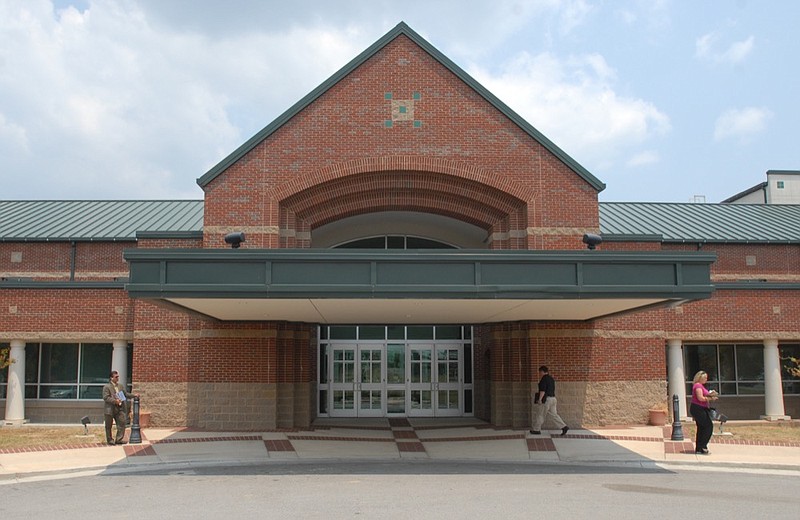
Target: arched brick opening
[438,193]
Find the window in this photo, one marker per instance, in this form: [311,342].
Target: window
[791,383]
[66,370]
[733,369]
[780,185]
[395,242]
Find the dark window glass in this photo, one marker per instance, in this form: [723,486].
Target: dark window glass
[95,362]
[750,363]
[372,332]
[394,242]
[59,363]
[426,243]
[751,388]
[416,332]
[467,401]
[58,392]
[31,365]
[323,363]
[467,364]
[791,387]
[448,332]
[727,363]
[90,392]
[395,332]
[701,357]
[365,243]
[343,332]
[323,401]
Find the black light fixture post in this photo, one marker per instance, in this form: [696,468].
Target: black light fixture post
[677,427]
[136,432]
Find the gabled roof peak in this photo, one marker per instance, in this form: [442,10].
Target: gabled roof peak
[404,29]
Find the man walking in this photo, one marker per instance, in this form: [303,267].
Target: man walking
[114,409]
[544,403]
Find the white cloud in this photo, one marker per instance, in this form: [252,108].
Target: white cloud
[574,103]
[643,159]
[706,48]
[104,100]
[741,124]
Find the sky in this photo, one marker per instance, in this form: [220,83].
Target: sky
[662,100]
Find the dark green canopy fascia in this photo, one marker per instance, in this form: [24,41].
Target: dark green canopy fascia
[403,29]
[461,274]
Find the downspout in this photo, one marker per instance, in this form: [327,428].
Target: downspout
[72,256]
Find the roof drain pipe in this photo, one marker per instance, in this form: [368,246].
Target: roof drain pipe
[72,255]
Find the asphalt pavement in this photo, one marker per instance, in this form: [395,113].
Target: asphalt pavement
[456,439]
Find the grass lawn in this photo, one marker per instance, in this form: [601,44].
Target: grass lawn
[40,436]
[783,431]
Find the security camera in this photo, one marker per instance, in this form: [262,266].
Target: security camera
[592,241]
[234,239]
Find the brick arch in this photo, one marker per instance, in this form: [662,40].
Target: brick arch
[401,163]
[400,191]
[418,191]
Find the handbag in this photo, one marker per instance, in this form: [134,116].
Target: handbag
[713,414]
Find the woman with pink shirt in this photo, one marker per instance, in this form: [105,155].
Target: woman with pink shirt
[700,411]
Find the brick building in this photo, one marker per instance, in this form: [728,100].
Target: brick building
[404,244]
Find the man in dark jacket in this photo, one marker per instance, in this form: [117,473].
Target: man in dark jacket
[544,404]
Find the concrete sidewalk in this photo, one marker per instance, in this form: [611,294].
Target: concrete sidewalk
[397,439]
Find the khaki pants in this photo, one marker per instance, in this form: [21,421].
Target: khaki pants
[546,410]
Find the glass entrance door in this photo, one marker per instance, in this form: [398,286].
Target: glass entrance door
[448,380]
[435,380]
[401,377]
[371,383]
[343,381]
[357,380]
[420,384]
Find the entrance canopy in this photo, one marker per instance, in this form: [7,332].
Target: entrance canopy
[415,286]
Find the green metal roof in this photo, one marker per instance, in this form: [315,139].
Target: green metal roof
[687,222]
[33,220]
[641,221]
[403,29]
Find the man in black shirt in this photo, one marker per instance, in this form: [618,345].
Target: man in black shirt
[544,403]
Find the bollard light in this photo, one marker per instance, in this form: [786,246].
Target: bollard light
[677,427]
[136,432]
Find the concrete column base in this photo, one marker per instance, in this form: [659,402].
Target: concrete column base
[775,418]
[15,422]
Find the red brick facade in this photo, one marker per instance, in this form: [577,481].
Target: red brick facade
[455,155]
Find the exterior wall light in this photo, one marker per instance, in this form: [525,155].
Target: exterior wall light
[234,239]
[592,241]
